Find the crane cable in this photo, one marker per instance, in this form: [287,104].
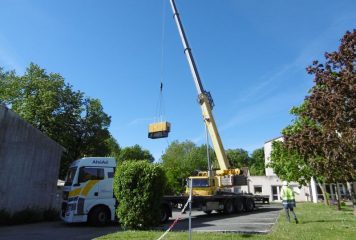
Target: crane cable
[160,104]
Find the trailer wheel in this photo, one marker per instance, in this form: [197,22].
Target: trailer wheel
[164,214]
[229,206]
[238,204]
[99,216]
[249,205]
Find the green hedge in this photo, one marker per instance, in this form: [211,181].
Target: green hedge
[139,187]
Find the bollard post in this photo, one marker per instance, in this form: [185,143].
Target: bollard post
[190,208]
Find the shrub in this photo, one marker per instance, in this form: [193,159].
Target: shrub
[4,217]
[139,187]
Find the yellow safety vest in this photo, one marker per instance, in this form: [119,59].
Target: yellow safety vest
[287,194]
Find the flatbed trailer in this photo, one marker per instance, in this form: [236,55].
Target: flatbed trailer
[264,199]
[222,202]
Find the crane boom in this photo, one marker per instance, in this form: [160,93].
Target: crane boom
[204,97]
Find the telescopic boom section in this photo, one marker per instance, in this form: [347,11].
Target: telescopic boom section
[205,99]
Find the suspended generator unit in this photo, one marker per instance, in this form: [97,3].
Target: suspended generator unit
[159,130]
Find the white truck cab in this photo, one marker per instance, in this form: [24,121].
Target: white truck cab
[88,193]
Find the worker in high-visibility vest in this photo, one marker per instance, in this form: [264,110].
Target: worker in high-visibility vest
[288,201]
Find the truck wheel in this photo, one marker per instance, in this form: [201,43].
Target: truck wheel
[99,216]
[249,206]
[164,214]
[239,206]
[229,207]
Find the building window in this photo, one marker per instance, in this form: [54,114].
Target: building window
[257,189]
[276,193]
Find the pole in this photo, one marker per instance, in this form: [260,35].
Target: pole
[190,208]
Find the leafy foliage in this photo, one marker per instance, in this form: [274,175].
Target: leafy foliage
[135,153]
[238,157]
[324,131]
[257,162]
[289,165]
[139,187]
[182,160]
[44,100]
[114,147]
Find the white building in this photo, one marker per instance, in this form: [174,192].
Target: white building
[271,185]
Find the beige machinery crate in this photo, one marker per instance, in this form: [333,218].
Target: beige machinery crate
[159,130]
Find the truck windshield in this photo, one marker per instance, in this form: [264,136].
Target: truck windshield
[70,176]
[200,182]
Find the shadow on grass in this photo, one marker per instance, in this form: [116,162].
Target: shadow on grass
[347,209]
[246,235]
[322,221]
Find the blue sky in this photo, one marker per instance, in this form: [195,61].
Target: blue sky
[251,56]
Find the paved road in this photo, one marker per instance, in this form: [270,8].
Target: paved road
[54,231]
[259,221]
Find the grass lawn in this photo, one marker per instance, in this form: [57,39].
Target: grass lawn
[316,221]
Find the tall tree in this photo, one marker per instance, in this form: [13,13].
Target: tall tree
[238,157]
[135,153]
[94,131]
[257,162]
[325,133]
[289,165]
[184,159]
[44,100]
[114,147]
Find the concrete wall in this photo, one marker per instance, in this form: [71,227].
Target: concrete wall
[29,165]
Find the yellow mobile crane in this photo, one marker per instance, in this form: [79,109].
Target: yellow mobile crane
[218,190]
[207,183]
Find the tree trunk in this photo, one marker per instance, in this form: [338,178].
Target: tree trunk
[325,195]
[338,196]
[352,193]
